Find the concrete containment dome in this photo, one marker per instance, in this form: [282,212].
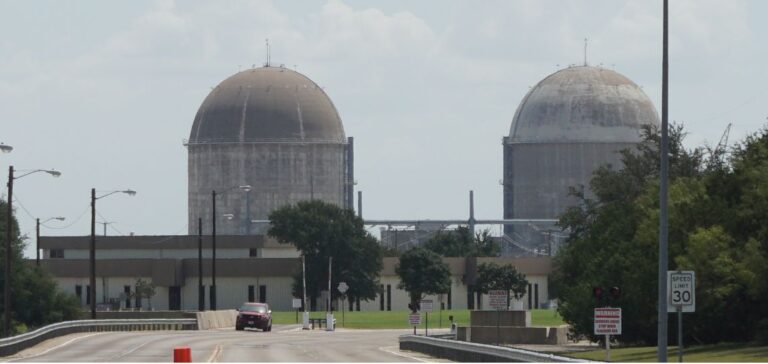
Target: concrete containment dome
[262,139]
[267,104]
[572,122]
[582,104]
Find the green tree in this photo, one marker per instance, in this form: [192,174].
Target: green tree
[36,299]
[422,272]
[461,243]
[144,289]
[613,235]
[321,230]
[492,276]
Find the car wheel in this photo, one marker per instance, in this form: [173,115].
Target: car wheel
[238,328]
[269,328]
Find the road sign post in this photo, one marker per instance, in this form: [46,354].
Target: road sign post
[498,300]
[415,320]
[343,287]
[296,303]
[426,307]
[681,298]
[607,322]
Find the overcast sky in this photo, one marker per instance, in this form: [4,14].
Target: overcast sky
[106,92]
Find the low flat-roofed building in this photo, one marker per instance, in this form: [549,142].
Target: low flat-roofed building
[248,268]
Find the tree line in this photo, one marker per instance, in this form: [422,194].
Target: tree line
[718,209]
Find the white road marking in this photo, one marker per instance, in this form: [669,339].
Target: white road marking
[55,347]
[391,350]
[215,354]
[137,347]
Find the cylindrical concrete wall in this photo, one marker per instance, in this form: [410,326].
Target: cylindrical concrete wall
[279,173]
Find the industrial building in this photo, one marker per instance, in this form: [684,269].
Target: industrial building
[264,138]
[249,268]
[572,122]
[267,137]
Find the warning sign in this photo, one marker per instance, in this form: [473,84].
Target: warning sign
[498,299]
[414,319]
[607,321]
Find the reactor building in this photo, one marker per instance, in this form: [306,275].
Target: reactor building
[569,124]
[264,138]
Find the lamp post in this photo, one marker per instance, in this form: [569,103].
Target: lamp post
[247,221]
[37,233]
[93,244]
[246,188]
[8,236]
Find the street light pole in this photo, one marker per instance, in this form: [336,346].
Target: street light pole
[8,246]
[663,195]
[213,248]
[92,257]
[247,190]
[7,270]
[37,234]
[93,245]
[200,287]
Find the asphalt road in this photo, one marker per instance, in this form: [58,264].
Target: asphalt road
[283,344]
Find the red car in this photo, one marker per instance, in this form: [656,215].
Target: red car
[254,315]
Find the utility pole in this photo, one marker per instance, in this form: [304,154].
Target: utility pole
[92,255]
[7,270]
[213,247]
[200,287]
[663,194]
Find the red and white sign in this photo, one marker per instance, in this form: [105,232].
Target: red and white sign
[497,299]
[607,321]
[414,319]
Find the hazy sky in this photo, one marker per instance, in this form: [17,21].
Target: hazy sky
[106,92]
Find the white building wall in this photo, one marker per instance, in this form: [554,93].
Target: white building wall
[279,253]
[153,253]
[233,291]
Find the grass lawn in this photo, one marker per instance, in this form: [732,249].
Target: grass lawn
[705,353]
[399,319]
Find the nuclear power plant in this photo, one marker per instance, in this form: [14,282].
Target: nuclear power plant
[572,122]
[264,138]
[268,137]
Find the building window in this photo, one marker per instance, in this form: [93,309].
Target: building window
[127,293]
[79,293]
[450,289]
[251,294]
[389,297]
[262,293]
[57,253]
[381,297]
[253,252]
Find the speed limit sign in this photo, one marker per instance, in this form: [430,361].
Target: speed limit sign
[682,291]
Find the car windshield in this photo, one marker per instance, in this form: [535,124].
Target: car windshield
[254,308]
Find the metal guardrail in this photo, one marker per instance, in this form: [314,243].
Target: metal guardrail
[14,344]
[472,352]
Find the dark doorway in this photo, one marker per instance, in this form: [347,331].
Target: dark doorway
[174,298]
[251,293]
[262,293]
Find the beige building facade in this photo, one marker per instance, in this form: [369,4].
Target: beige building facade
[248,268]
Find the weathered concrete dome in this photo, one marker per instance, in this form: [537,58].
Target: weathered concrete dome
[583,104]
[267,104]
[265,138]
[571,123]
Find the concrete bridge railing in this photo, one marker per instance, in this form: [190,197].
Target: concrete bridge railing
[14,344]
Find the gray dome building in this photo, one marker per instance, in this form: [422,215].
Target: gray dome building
[272,129]
[568,125]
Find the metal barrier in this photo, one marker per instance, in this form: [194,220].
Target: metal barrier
[14,344]
[472,352]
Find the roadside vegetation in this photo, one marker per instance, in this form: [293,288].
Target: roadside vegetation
[717,353]
[718,208]
[36,299]
[399,319]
